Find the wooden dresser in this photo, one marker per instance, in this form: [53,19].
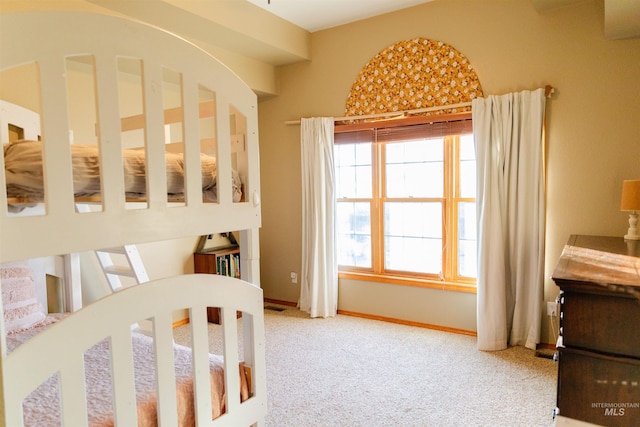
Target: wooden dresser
[599,343]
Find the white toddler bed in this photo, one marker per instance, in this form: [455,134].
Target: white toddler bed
[61,352]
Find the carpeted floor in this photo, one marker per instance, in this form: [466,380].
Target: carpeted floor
[348,371]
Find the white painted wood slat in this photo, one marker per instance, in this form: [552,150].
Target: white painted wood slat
[200,344]
[124,397]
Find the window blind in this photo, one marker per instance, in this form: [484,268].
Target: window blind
[414,128]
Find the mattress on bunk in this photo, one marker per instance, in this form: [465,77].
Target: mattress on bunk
[24,172]
[20,305]
[42,406]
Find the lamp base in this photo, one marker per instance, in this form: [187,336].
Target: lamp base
[632,233]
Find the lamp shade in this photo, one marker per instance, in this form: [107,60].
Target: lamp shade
[630,195]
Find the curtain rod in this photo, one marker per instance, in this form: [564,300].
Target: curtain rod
[548,91]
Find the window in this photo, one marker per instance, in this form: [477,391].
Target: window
[406,202]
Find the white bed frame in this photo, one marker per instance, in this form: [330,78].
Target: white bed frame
[47,38]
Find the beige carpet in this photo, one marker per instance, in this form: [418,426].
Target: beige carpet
[347,371]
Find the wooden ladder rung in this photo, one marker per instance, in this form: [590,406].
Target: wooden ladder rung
[119,271]
[120,251]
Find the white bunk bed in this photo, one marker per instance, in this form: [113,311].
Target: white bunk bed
[55,358]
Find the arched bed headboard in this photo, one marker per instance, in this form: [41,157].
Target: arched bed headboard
[48,38]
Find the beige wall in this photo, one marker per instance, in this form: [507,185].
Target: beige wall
[593,130]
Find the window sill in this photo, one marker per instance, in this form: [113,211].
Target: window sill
[409,281]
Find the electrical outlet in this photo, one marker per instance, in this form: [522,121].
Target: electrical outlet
[552,309]
[294,277]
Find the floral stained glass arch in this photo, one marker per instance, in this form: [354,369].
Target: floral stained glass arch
[412,75]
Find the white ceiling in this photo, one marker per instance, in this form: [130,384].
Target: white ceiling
[315,15]
[621,20]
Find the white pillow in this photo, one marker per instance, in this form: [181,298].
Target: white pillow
[19,299]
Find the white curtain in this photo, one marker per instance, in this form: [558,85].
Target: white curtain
[508,133]
[319,276]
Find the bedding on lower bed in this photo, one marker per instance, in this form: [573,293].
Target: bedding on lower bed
[24,173]
[42,406]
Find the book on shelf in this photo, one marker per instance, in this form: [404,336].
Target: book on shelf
[228,264]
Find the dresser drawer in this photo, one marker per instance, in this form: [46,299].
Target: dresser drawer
[598,389]
[601,322]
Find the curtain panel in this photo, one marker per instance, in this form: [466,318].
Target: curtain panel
[510,203]
[319,275]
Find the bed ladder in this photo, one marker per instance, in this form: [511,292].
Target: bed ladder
[132,267]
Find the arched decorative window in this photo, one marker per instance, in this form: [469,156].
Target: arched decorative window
[416,74]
